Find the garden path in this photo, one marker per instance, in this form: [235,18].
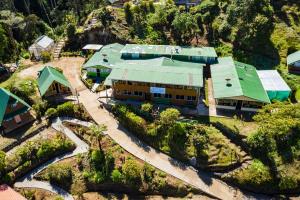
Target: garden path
[81,147]
[201,180]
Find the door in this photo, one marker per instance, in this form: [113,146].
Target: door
[57,88]
[239,105]
[98,72]
[147,96]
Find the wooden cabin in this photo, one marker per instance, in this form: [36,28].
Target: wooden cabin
[14,112]
[52,83]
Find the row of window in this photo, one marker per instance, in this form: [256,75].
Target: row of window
[155,85]
[158,95]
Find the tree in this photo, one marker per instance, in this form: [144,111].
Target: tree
[184,27]
[128,13]
[116,176]
[97,132]
[169,116]
[131,171]
[3,43]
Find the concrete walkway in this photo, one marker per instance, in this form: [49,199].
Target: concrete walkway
[81,147]
[200,180]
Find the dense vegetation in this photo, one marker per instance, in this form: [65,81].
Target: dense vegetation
[204,146]
[275,144]
[31,154]
[108,167]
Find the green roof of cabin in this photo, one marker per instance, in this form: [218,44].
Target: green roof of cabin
[164,50]
[234,79]
[158,70]
[294,57]
[113,55]
[47,76]
[5,95]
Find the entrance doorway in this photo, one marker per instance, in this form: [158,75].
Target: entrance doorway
[98,72]
[57,88]
[147,96]
[239,105]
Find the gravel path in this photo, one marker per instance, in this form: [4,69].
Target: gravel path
[81,147]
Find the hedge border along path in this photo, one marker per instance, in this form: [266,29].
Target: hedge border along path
[81,147]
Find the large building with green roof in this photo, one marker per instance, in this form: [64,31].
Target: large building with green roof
[206,55]
[293,62]
[237,86]
[161,80]
[100,64]
[52,82]
[14,112]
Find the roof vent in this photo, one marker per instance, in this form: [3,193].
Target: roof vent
[228,84]
[104,57]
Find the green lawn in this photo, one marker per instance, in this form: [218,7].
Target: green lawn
[297,95]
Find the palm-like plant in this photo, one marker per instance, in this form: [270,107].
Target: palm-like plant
[97,132]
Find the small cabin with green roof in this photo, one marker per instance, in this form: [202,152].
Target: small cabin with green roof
[14,112]
[237,86]
[100,64]
[293,62]
[52,83]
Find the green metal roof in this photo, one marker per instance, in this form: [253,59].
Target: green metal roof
[5,95]
[165,50]
[159,70]
[47,76]
[294,57]
[113,55]
[234,79]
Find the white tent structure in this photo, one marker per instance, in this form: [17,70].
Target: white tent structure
[43,43]
[274,85]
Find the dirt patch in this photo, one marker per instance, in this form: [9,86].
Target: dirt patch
[70,66]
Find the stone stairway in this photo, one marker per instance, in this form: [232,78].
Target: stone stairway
[58,48]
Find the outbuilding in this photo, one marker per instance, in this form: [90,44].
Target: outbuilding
[237,86]
[14,112]
[293,62]
[275,86]
[43,43]
[53,83]
[100,64]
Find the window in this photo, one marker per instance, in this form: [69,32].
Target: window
[191,98]
[168,96]
[156,95]
[137,93]
[181,97]
[129,83]
[125,92]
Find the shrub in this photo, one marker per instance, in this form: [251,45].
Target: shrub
[147,107]
[46,56]
[131,171]
[40,108]
[60,173]
[116,176]
[2,162]
[26,55]
[51,113]
[66,109]
[130,120]
[148,172]
[169,116]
